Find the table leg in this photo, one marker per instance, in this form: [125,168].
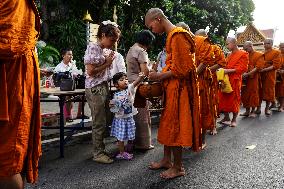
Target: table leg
[83,110]
[61,106]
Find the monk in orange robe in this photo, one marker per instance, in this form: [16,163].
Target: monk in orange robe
[20,141]
[215,59]
[250,92]
[204,60]
[179,123]
[268,74]
[237,65]
[280,84]
[219,62]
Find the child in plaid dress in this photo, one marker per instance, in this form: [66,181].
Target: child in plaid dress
[123,125]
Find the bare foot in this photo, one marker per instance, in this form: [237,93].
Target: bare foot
[223,120]
[233,124]
[214,132]
[160,165]
[226,123]
[252,115]
[280,109]
[172,173]
[267,112]
[246,114]
[204,146]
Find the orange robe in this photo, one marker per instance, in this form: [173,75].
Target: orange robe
[203,54]
[220,59]
[279,90]
[268,79]
[250,92]
[20,146]
[230,102]
[179,123]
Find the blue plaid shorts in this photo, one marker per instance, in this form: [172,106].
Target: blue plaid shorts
[123,128]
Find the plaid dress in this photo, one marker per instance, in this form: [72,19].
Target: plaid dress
[123,125]
[123,128]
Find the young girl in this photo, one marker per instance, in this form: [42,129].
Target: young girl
[123,125]
[98,66]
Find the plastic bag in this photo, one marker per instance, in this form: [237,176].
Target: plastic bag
[224,81]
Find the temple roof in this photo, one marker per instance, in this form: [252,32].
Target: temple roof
[254,35]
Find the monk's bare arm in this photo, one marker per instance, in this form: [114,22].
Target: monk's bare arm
[253,71]
[227,71]
[215,67]
[250,73]
[200,68]
[267,69]
[166,75]
[160,76]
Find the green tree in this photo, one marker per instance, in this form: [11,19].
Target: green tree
[219,16]
[70,34]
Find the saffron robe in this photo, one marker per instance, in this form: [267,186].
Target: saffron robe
[179,123]
[20,121]
[204,55]
[268,79]
[250,91]
[230,102]
[279,90]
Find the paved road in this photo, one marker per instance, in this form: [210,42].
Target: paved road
[226,163]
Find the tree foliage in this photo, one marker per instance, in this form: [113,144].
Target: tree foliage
[219,16]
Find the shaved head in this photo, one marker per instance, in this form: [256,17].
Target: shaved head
[231,43]
[248,46]
[154,13]
[248,43]
[183,25]
[201,32]
[268,43]
[232,40]
[268,40]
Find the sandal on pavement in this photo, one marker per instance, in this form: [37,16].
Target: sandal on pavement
[124,155]
[103,159]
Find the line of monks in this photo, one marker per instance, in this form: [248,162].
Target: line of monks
[193,97]
[20,141]
[254,77]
